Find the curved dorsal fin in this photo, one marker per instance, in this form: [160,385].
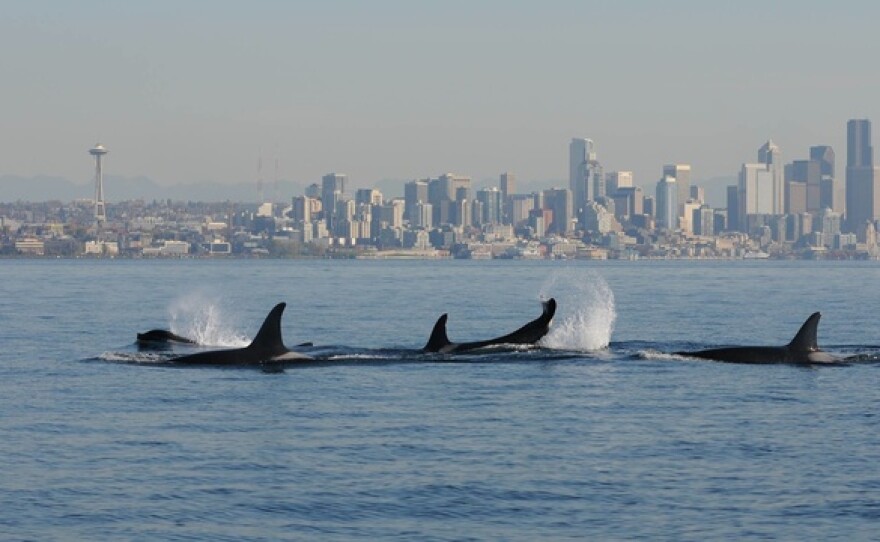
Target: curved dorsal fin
[805,340]
[269,336]
[438,336]
[549,308]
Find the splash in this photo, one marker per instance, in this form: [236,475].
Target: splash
[586,317]
[200,318]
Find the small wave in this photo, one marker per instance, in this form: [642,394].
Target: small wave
[588,311]
[200,318]
[132,357]
[661,356]
[352,357]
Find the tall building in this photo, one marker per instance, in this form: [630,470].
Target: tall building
[520,207]
[666,211]
[771,156]
[862,191]
[756,193]
[682,174]
[491,203]
[808,172]
[98,151]
[558,200]
[368,195]
[586,179]
[615,180]
[414,192]
[733,208]
[508,184]
[508,189]
[332,192]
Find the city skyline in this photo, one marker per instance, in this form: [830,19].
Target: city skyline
[398,91]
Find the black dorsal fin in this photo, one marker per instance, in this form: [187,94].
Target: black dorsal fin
[269,336]
[549,308]
[438,336]
[805,340]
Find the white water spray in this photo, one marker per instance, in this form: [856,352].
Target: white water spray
[586,311]
[198,317]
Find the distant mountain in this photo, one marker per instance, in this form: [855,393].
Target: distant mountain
[43,188]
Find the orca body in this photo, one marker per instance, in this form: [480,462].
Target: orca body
[266,348]
[161,338]
[802,350]
[530,333]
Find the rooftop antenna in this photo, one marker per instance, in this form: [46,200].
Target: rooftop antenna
[260,175]
[276,196]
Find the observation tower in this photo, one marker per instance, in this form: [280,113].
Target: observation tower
[98,151]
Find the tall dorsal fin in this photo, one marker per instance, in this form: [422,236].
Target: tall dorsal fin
[438,336]
[549,308]
[805,340]
[269,336]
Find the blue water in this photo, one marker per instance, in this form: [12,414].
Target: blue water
[603,436]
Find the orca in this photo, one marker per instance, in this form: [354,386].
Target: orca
[267,348]
[527,334]
[802,350]
[160,338]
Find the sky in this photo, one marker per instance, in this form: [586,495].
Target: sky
[190,91]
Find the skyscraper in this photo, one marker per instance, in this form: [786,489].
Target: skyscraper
[756,193]
[862,192]
[771,155]
[508,188]
[615,180]
[558,200]
[586,179]
[332,191]
[682,174]
[414,192]
[666,212]
[508,184]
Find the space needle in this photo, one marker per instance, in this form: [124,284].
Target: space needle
[98,151]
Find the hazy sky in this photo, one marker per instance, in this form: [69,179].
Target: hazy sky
[195,90]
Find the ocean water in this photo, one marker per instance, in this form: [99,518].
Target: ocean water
[600,435]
